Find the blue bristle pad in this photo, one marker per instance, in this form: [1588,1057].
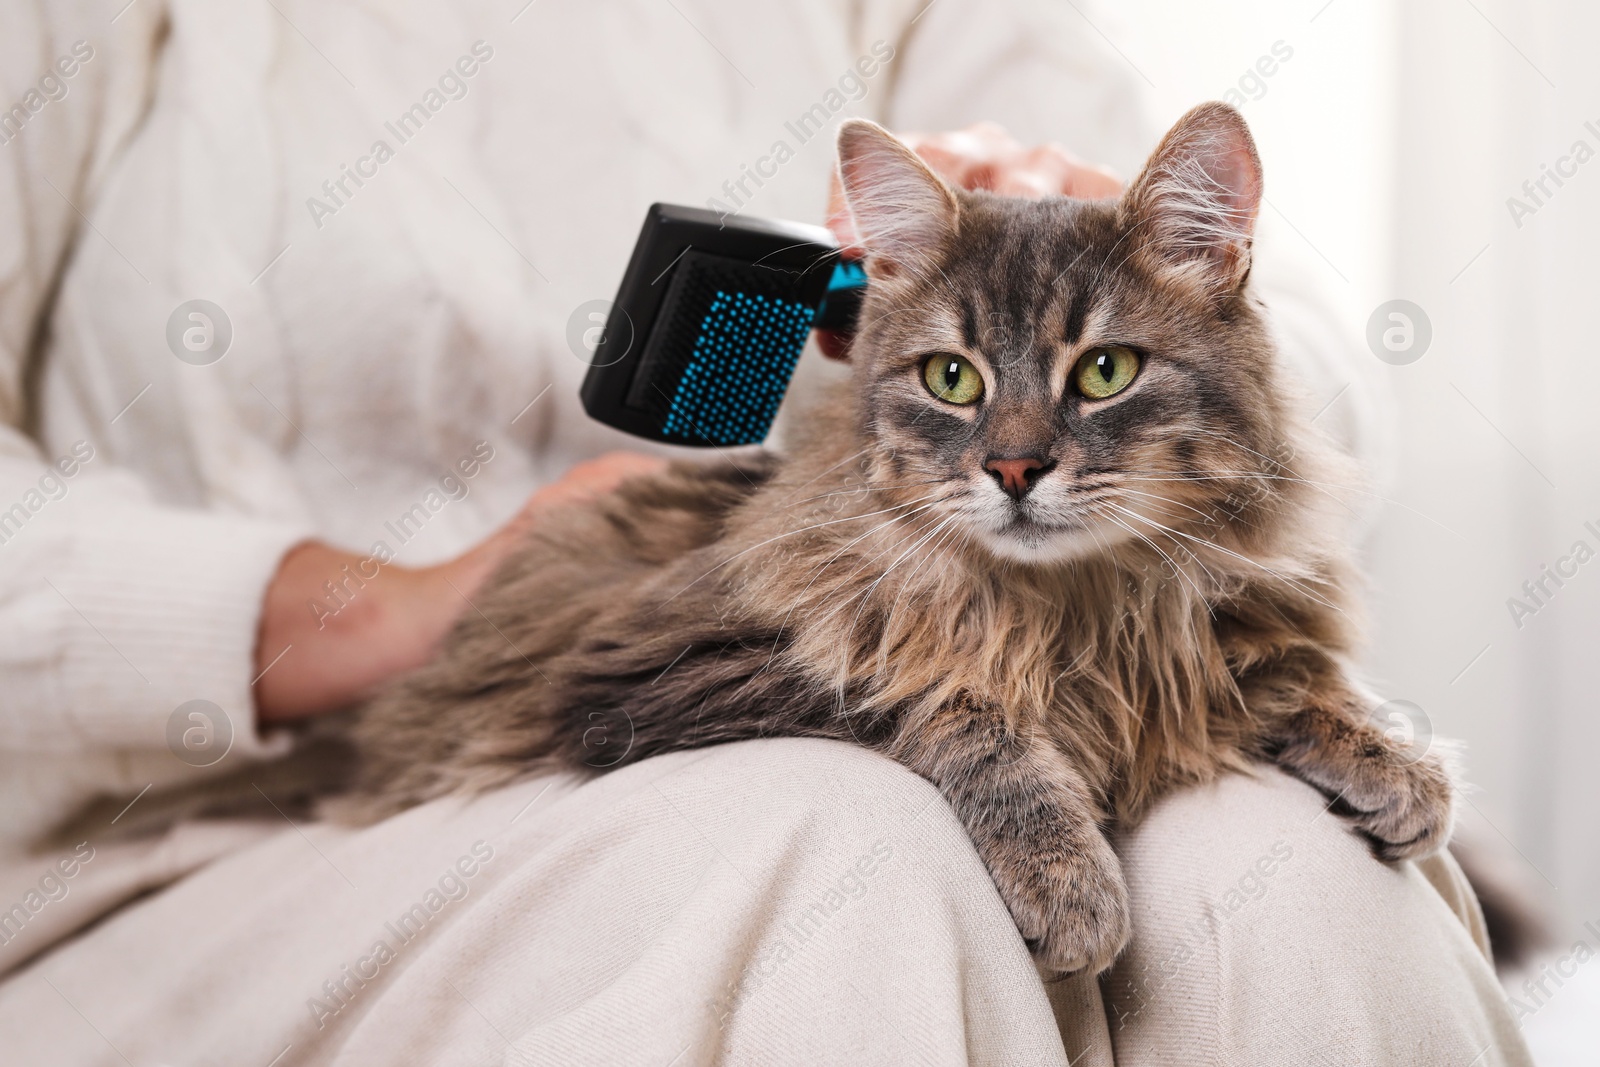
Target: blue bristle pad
[743,357]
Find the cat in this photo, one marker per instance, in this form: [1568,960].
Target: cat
[1061,544]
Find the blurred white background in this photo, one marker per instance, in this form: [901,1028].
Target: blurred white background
[1392,140]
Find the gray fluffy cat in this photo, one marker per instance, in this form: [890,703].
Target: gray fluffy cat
[1061,545]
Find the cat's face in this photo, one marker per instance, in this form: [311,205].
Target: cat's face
[1055,376]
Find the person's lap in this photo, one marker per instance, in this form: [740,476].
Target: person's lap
[773,902]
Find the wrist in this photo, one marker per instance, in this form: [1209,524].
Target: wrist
[336,626]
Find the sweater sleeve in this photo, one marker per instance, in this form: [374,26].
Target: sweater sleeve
[1049,71]
[117,610]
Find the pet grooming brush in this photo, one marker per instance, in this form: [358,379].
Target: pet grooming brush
[709,321]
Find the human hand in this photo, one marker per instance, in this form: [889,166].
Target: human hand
[985,156]
[585,481]
[389,618]
[982,156]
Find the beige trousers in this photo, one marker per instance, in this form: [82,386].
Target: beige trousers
[771,902]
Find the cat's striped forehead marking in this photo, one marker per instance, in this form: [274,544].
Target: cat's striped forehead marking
[1097,328]
[969,322]
[1079,300]
[1035,282]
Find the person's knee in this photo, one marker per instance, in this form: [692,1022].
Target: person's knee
[786,786]
[1229,840]
[1253,901]
[829,813]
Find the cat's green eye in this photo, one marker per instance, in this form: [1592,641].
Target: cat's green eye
[1105,371]
[952,379]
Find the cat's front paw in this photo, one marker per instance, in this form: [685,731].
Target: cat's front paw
[1407,809]
[1070,904]
[1401,800]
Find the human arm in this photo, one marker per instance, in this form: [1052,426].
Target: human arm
[131,600]
[121,607]
[394,622]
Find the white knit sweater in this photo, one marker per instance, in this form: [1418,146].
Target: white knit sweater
[390,307]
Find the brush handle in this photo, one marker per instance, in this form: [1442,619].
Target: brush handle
[841,304]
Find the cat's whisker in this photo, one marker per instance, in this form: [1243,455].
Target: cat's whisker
[935,501]
[825,564]
[779,537]
[1212,519]
[1177,568]
[831,468]
[1216,475]
[925,537]
[953,529]
[831,559]
[1232,442]
[1250,475]
[1328,489]
[839,607]
[1218,515]
[1294,582]
[1132,513]
[1164,500]
[868,561]
[944,530]
[1273,464]
[866,594]
[866,488]
[1271,606]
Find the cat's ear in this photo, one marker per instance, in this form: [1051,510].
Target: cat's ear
[1195,203]
[903,211]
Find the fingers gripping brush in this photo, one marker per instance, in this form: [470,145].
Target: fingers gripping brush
[709,322]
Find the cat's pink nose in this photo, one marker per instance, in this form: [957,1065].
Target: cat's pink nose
[1016,476]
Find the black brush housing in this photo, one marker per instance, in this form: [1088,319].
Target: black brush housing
[709,322]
